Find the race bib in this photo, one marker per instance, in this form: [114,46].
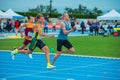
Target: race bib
[30,34]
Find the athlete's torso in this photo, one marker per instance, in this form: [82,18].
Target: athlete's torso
[29,31]
[61,35]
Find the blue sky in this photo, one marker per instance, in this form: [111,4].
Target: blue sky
[23,5]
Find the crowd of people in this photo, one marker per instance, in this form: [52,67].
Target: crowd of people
[10,25]
[95,28]
[91,27]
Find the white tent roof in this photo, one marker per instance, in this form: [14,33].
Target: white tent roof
[112,15]
[13,14]
[4,15]
[1,12]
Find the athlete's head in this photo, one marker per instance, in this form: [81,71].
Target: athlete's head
[40,18]
[30,18]
[66,16]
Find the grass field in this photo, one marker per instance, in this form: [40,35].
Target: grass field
[84,45]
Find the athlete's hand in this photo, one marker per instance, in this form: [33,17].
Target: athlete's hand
[51,36]
[73,28]
[21,35]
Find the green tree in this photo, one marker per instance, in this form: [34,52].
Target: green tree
[42,8]
[69,10]
[97,11]
[54,10]
[80,8]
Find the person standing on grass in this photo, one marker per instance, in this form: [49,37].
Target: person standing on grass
[36,41]
[62,39]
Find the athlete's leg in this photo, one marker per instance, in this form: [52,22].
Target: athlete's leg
[71,50]
[46,51]
[69,46]
[16,51]
[43,46]
[25,43]
[59,50]
[27,51]
[22,47]
[56,56]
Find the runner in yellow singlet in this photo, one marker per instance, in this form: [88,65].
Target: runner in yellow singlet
[37,42]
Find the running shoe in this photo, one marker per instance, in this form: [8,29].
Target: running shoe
[30,56]
[13,53]
[50,66]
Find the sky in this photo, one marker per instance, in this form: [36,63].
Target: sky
[24,5]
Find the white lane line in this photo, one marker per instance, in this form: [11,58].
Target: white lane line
[57,70]
[75,70]
[73,55]
[40,67]
[60,64]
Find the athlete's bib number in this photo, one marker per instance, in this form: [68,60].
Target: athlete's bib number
[30,34]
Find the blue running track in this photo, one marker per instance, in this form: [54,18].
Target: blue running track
[67,68]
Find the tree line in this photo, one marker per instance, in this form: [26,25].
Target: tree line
[80,12]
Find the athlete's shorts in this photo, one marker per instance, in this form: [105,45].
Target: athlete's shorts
[65,43]
[36,43]
[26,42]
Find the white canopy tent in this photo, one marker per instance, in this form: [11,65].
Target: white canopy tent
[112,15]
[11,13]
[4,15]
[1,12]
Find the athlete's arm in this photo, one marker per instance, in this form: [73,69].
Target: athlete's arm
[64,29]
[42,34]
[21,34]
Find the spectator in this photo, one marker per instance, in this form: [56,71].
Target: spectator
[89,23]
[102,29]
[60,17]
[96,28]
[47,17]
[16,27]
[77,26]
[45,27]
[116,25]
[72,21]
[9,25]
[82,25]
[110,28]
[54,26]
[91,29]
[2,26]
